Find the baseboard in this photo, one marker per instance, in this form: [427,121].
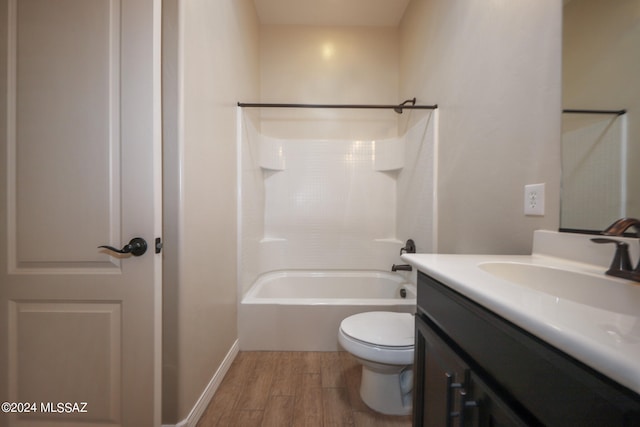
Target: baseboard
[206,396]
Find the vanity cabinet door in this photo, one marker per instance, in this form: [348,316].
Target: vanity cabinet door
[490,410]
[440,376]
[448,393]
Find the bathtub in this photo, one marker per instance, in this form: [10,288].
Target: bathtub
[302,310]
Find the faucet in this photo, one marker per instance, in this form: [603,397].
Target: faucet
[620,226]
[409,247]
[621,264]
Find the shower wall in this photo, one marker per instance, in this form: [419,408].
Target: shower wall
[325,204]
[416,202]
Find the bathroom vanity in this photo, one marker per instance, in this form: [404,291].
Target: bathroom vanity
[492,352]
[474,368]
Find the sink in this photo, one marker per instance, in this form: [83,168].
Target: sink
[596,291]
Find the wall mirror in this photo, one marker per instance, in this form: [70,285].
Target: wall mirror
[600,146]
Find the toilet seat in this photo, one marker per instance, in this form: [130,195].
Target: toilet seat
[382,328]
[383,337]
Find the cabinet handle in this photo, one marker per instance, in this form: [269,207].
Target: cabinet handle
[465,404]
[449,399]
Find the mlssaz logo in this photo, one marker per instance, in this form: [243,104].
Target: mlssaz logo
[64,407]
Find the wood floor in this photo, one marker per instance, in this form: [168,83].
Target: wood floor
[295,389]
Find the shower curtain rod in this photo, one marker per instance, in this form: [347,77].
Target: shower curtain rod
[616,112]
[353,106]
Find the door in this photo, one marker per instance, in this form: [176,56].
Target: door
[79,168]
[449,393]
[490,409]
[441,376]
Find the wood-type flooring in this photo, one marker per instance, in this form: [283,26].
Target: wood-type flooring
[296,389]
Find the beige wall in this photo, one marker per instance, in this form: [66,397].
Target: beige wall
[328,65]
[211,62]
[494,70]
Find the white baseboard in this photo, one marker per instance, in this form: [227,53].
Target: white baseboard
[206,396]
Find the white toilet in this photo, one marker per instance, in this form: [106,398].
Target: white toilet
[383,342]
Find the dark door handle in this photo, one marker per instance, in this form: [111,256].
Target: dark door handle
[136,247]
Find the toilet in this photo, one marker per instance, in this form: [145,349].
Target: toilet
[383,342]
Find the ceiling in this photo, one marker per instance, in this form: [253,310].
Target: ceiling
[376,13]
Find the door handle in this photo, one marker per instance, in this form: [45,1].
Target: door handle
[136,247]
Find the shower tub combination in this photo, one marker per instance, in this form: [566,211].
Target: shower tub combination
[301,310]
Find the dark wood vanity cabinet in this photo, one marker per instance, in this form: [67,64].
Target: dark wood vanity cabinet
[474,368]
[451,393]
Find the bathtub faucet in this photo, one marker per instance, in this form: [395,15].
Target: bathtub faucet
[402,267]
[409,247]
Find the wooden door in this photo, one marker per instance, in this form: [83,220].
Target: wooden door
[79,168]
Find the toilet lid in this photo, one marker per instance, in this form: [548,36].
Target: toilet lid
[381,328]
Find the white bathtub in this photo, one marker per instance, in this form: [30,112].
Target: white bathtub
[302,310]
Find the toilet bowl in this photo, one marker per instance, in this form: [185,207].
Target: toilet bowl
[383,343]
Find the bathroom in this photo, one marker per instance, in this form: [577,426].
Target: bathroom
[494,68]
[498,99]
[505,133]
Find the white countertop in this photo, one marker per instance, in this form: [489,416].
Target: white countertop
[607,341]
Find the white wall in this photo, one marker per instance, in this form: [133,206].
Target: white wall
[211,62]
[493,67]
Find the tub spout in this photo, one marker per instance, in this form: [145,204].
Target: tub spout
[401,267]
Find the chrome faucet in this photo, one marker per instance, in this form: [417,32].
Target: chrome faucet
[621,264]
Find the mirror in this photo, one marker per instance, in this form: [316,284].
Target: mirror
[600,147]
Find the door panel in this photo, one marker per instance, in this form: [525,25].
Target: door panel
[40,336]
[66,136]
[81,151]
[443,374]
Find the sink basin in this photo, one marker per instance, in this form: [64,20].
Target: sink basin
[596,291]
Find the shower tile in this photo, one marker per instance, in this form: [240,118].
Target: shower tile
[335,203]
